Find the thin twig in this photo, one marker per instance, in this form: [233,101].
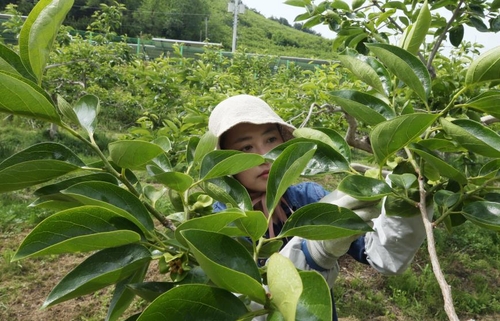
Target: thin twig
[442,36]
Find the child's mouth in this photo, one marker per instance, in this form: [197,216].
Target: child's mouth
[264,173]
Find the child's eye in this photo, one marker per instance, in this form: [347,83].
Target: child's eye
[272,139]
[246,148]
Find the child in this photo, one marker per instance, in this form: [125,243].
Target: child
[248,124]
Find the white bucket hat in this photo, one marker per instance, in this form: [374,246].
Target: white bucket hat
[245,109]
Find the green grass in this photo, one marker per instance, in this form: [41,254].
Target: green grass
[470,260]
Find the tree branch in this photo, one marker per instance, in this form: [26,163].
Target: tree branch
[431,248]
[352,140]
[310,112]
[442,36]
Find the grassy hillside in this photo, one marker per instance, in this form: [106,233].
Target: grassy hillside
[257,34]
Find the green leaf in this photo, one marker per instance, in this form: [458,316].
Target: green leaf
[383,17]
[325,160]
[484,214]
[164,143]
[115,199]
[213,223]
[478,23]
[442,166]
[43,151]
[162,162]
[87,109]
[100,270]
[195,302]
[357,4]
[326,136]
[364,107]
[417,31]
[486,67]
[123,296]
[298,3]
[175,180]
[390,136]
[50,196]
[495,5]
[487,102]
[67,110]
[378,67]
[55,202]
[226,262]
[494,24]
[315,302]
[207,143]
[228,190]
[254,224]
[456,35]
[363,71]
[269,248]
[57,187]
[39,31]
[338,141]
[149,291]
[285,170]
[10,62]
[408,68]
[398,207]
[24,98]
[339,4]
[446,198]
[406,180]
[284,284]
[439,144]
[80,229]
[32,173]
[191,149]
[364,188]
[227,162]
[473,136]
[323,221]
[133,153]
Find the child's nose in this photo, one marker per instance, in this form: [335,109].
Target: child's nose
[263,149]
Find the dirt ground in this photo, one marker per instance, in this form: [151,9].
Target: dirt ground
[26,284]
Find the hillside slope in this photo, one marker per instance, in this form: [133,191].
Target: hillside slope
[259,34]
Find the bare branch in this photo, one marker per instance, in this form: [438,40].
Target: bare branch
[431,248]
[309,114]
[352,140]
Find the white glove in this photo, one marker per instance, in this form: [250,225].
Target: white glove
[325,253]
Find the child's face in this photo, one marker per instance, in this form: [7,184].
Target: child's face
[258,139]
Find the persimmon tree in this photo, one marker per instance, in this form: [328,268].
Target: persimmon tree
[438,138]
